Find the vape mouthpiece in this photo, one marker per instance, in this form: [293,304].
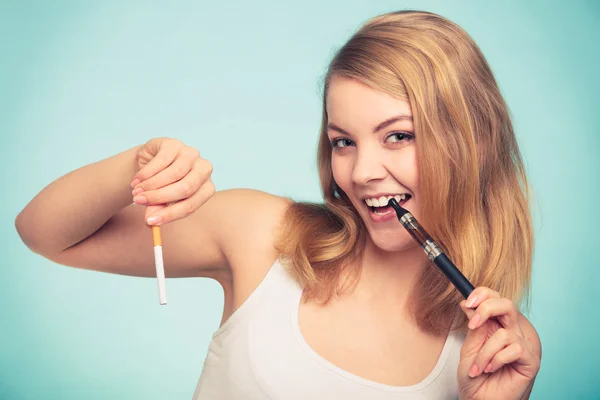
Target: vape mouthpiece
[399,210]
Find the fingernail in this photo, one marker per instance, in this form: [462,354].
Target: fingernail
[135,182]
[473,371]
[137,191]
[155,220]
[140,199]
[471,301]
[488,368]
[474,321]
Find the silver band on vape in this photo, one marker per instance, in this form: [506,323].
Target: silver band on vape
[409,221]
[431,249]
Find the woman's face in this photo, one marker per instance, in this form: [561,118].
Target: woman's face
[374,156]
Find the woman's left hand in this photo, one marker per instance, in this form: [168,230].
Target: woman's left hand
[500,357]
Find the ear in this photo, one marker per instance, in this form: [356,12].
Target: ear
[336,190]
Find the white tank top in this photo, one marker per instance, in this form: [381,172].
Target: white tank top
[259,353]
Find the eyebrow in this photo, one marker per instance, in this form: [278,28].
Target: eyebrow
[379,127]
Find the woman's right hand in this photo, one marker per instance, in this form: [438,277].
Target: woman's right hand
[171,179]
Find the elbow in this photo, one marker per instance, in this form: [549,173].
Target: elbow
[27,233]
[36,238]
[23,230]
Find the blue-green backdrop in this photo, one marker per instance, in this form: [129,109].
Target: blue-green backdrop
[80,81]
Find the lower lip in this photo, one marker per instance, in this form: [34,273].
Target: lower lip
[389,215]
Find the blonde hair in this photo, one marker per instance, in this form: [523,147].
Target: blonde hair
[478,211]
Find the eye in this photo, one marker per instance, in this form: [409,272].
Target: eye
[341,143]
[401,136]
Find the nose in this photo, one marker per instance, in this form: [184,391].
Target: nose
[368,167]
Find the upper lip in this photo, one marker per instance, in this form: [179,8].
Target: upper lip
[378,195]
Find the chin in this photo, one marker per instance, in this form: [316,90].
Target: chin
[393,242]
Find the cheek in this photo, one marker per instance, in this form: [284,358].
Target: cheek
[407,171]
[414,168]
[341,172]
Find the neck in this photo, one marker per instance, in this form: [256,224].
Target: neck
[389,276]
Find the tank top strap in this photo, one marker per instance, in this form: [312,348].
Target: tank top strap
[276,284]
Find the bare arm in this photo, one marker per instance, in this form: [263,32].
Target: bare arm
[75,205]
[86,219]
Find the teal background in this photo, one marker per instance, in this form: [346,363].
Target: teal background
[81,81]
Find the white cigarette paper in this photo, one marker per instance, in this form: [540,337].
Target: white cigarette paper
[158,263]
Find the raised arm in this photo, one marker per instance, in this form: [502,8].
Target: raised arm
[86,218]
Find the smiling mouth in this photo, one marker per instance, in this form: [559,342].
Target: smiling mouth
[382,207]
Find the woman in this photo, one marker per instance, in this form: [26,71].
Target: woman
[336,300]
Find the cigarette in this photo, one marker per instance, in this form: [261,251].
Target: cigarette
[158,263]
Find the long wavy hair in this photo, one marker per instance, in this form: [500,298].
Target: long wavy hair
[477,209]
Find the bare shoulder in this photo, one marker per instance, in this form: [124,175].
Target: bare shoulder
[248,240]
[253,219]
[531,335]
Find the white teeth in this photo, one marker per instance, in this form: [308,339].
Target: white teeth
[383,200]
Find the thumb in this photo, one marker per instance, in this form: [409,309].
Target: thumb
[151,210]
[468,311]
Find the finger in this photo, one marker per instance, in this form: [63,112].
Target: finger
[167,184]
[479,295]
[172,173]
[165,156]
[501,308]
[496,343]
[184,208]
[174,192]
[468,311]
[514,353]
[150,210]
